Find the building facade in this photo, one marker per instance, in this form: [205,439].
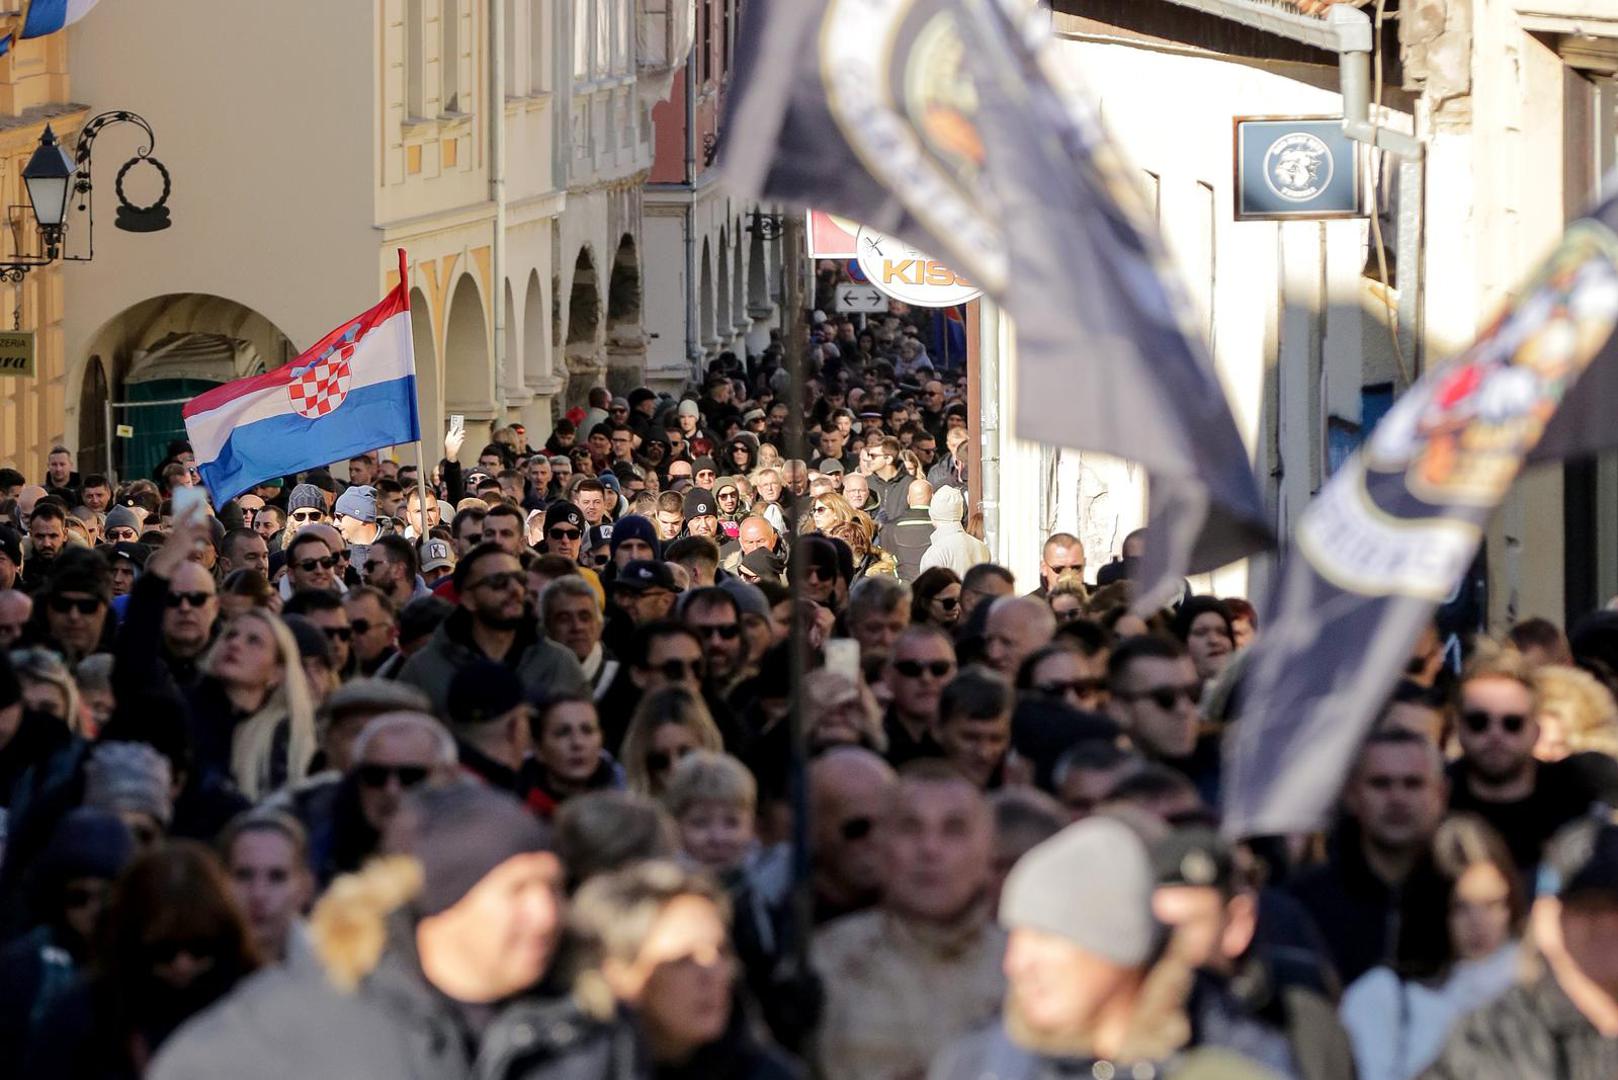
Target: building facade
[35,90]
[501,143]
[722,285]
[1514,104]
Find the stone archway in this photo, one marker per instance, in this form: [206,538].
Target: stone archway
[429,369]
[626,338]
[535,348]
[468,365]
[164,349]
[585,363]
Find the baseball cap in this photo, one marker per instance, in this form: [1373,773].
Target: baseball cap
[644,574]
[1193,855]
[599,534]
[830,465]
[435,555]
[133,552]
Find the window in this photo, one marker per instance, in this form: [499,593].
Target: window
[540,36]
[604,14]
[451,61]
[705,43]
[624,30]
[581,39]
[415,60]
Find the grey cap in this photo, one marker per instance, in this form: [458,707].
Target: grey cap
[122,517]
[128,776]
[689,408]
[1091,884]
[830,466]
[306,497]
[358,502]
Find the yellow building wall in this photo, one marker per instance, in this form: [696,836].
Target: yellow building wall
[33,92]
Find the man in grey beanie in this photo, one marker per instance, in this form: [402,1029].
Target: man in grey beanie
[1091,989]
[122,527]
[134,781]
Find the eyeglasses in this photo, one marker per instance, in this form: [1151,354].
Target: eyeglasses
[1076,687]
[913,669]
[1477,721]
[1165,697]
[192,599]
[503,580]
[308,565]
[676,670]
[84,605]
[339,633]
[564,534]
[661,761]
[376,776]
[307,515]
[724,632]
[855,829]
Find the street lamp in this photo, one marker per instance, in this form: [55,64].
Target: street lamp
[47,177]
[52,177]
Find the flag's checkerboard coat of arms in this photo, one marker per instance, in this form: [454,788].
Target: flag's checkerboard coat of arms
[322,386]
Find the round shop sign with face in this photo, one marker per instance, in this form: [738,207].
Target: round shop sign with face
[909,275]
[1298,166]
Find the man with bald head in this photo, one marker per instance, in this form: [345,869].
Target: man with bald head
[849,793]
[1062,554]
[15,608]
[1017,627]
[908,536]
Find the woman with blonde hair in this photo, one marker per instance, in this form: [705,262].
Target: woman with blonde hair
[869,560]
[48,686]
[1576,714]
[255,666]
[828,510]
[668,724]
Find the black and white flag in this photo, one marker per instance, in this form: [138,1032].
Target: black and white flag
[1386,540]
[950,125]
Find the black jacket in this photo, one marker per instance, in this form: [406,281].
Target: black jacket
[1531,1031]
[907,539]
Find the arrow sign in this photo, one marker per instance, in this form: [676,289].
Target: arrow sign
[861,299]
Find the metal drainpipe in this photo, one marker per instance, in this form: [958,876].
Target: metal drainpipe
[989,423]
[497,185]
[692,295]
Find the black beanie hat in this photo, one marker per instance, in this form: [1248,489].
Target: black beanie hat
[563,513]
[463,832]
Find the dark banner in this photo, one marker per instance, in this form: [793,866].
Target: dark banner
[985,157]
[1386,541]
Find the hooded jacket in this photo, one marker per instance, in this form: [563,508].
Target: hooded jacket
[369,1012]
[952,546]
[543,666]
[907,538]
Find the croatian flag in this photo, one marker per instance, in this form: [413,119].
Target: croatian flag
[48,16]
[354,391]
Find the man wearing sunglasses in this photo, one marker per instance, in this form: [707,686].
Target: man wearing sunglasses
[715,617]
[1499,779]
[75,599]
[190,618]
[1154,693]
[564,530]
[492,622]
[850,793]
[311,564]
[922,662]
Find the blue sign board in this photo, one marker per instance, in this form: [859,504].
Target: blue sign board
[1296,169]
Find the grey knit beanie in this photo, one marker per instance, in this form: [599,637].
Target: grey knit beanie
[306,497]
[1092,884]
[128,776]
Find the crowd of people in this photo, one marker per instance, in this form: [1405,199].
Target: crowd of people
[494,773]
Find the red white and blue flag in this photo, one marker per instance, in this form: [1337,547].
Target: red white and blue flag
[352,392]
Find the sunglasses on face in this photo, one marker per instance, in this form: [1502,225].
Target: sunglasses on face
[601,558]
[676,670]
[855,829]
[374,566]
[658,761]
[948,603]
[307,515]
[1077,687]
[1477,721]
[191,599]
[726,632]
[308,565]
[376,776]
[123,536]
[1166,697]
[163,953]
[84,605]
[362,626]
[504,580]
[564,534]
[913,669]
[339,633]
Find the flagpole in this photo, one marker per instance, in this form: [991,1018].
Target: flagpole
[421,454]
